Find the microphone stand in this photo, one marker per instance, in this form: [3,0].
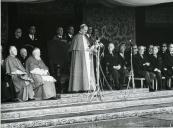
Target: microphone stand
[97,92]
[131,75]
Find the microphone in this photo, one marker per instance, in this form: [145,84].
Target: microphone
[101,44]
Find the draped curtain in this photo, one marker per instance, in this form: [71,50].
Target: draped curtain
[108,2]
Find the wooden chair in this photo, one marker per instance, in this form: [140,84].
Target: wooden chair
[142,82]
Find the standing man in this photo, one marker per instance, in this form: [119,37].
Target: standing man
[31,40]
[57,52]
[58,55]
[82,76]
[17,40]
[70,34]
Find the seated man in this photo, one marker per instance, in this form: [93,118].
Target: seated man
[168,65]
[21,80]
[8,92]
[156,64]
[44,83]
[142,68]
[23,56]
[114,67]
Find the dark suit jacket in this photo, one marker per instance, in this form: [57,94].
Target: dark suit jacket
[18,43]
[139,68]
[111,60]
[156,62]
[31,44]
[57,50]
[69,39]
[168,61]
[122,61]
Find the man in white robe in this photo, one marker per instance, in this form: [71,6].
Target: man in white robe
[82,76]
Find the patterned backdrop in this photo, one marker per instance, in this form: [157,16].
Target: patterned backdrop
[116,25]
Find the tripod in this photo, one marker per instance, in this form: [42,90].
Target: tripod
[131,75]
[97,91]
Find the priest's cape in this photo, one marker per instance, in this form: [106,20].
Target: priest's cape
[44,84]
[82,77]
[20,78]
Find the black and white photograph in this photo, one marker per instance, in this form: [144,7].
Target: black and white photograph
[86,63]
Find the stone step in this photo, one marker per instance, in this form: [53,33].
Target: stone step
[131,108]
[82,108]
[75,99]
[84,117]
[76,108]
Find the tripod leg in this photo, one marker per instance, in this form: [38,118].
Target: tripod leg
[128,85]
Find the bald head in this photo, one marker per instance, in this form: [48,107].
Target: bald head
[36,53]
[171,48]
[23,52]
[141,50]
[13,51]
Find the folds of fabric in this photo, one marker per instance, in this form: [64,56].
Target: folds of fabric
[44,86]
[21,81]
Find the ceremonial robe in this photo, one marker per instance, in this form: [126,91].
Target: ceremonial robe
[82,76]
[44,86]
[21,80]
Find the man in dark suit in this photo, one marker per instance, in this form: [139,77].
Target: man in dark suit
[32,40]
[164,50]
[116,66]
[168,65]
[156,64]
[149,51]
[69,35]
[143,68]
[57,51]
[17,40]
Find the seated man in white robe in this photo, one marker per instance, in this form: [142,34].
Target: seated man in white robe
[20,78]
[44,84]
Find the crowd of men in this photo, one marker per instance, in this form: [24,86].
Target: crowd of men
[152,63]
[72,64]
